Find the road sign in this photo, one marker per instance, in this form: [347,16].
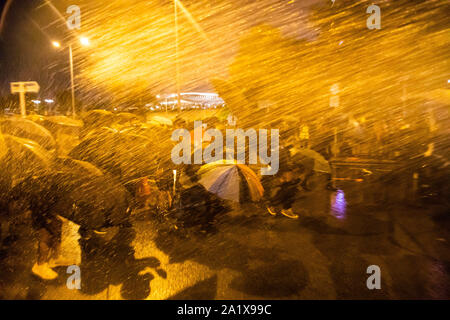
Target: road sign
[16,87]
[21,88]
[29,86]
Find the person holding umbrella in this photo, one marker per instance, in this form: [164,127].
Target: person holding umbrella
[284,188]
[92,201]
[280,189]
[29,195]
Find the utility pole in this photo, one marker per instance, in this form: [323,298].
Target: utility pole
[23,110]
[71,80]
[177,56]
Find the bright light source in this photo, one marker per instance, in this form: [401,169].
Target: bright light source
[158,96]
[56,44]
[36,101]
[49,100]
[85,41]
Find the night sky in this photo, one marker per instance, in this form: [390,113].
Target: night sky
[30,25]
[25,50]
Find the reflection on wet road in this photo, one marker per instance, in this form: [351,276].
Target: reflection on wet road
[324,254]
[338,204]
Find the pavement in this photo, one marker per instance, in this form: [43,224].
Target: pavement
[252,255]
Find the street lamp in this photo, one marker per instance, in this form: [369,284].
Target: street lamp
[177,55]
[84,42]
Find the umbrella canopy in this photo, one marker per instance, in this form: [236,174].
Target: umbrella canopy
[82,167]
[28,129]
[98,113]
[91,201]
[97,202]
[161,145]
[126,117]
[153,132]
[21,157]
[122,153]
[159,120]
[231,181]
[311,159]
[64,121]
[98,118]
[35,117]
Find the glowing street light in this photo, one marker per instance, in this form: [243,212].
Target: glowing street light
[85,41]
[56,44]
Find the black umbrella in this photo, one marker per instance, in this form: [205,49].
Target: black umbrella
[97,118]
[123,153]
[92,201]
[21,157]
[27,129]
[81,167]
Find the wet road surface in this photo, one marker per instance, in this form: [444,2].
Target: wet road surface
[252,255]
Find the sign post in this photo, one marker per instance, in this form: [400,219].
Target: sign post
[21,88]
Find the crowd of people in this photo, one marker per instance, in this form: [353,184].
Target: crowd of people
[109,167]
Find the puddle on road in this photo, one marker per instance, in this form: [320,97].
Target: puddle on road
[338,206]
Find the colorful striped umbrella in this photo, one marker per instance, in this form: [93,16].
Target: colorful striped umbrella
[231,181]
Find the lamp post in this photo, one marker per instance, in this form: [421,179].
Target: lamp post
[72,83]
[177,55]
[84,42]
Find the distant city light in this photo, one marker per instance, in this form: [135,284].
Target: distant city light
[49,100]
[36,101]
